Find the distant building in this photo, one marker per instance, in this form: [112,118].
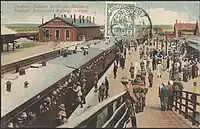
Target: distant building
[184,29]
[69,29]
[7,38]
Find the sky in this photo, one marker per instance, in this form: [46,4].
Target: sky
[161,12]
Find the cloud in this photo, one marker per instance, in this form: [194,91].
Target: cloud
[162,16]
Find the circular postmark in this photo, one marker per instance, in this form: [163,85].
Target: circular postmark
[128,21]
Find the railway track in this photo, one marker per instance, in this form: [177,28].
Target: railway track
[31,60]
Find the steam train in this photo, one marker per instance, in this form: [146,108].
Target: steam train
[49,80]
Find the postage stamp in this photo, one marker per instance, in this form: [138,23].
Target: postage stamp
[118,21]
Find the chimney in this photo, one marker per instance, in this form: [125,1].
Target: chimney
[74,18]
[87,19]
[42,20]
[65,15]
[54,15]
[80,18]
[93,19]
[83,19]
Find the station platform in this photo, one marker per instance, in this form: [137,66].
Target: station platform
[115,86]
[152,116]
[19,54]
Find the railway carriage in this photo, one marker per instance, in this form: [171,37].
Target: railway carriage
[45,80]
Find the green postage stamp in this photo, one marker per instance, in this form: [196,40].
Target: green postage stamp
[119,21]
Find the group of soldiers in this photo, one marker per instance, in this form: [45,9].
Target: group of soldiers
[190,70]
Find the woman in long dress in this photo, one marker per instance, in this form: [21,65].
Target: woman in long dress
[159,70]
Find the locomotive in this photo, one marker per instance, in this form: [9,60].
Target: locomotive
[98,59]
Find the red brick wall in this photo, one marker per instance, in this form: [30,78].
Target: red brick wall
[89,32]
[54,25]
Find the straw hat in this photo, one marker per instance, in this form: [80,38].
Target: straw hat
[171,82]
[19,120]
[23,114]
[54,92]
[62,106]
[10,125]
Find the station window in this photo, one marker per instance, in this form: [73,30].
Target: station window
[67,32]
[47,35]
[57,34]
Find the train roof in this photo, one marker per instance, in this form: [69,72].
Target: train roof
[76,60]
[103,46]
[39,79]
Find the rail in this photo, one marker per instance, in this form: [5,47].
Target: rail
[22,63]
[181,103]
[108,113]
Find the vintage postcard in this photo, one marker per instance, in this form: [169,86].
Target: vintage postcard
[100,64]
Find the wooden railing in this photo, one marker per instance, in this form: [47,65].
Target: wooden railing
[111,112]
[186,106]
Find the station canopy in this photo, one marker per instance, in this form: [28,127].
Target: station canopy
[7,31]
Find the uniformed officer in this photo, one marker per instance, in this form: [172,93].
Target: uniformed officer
[107,86]
[102,90]
[150,77]
[96,78]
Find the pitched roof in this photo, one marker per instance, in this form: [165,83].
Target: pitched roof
[6,31]
[185,26]
[76,24]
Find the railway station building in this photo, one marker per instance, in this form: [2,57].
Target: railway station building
[69,29]
[184,29]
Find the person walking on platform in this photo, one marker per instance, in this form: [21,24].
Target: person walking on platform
[123,61]
[96,78]
[163,94]
[196,89]
[83,90]
[154,63]
[170,95]
[132,70]
[159,70]
[125,52]
[102,92]
[115,70]
[150,77]
[107,86]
